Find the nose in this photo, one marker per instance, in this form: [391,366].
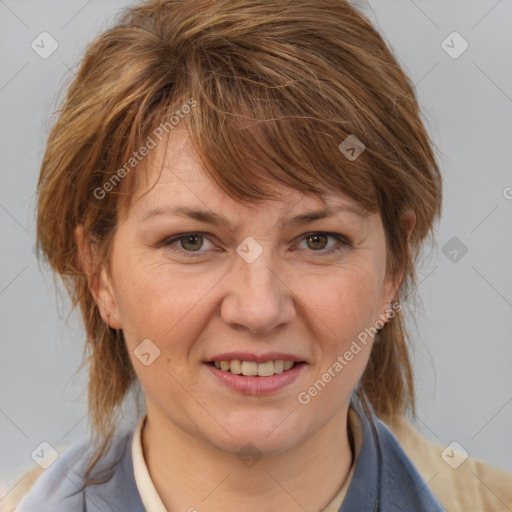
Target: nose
[258,298]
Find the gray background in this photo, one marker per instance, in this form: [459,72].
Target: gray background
[462,340]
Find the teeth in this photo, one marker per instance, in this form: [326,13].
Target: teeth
[251,368]
[278,366]
[266,369]
[235,367]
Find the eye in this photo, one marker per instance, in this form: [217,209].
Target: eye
[318,242]
[187,242]
[193,244]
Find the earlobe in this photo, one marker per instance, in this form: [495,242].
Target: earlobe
[106,301]
[408,224]
[98,279]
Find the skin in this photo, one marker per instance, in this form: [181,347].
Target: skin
[293,298]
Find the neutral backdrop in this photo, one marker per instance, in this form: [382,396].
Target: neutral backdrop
[462,338]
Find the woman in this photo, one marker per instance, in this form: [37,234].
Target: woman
[235,194]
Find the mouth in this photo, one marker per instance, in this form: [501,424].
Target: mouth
[253,368]
[255,378]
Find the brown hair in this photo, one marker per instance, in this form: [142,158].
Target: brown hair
[274,88]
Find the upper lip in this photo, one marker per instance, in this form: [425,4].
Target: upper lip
[257,358]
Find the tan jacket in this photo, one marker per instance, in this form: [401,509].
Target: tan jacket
[474,486]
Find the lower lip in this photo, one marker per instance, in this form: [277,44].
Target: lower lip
[257,385]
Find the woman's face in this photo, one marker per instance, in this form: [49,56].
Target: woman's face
[274,286]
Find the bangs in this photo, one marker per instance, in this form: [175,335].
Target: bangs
[255,142]
[255,136]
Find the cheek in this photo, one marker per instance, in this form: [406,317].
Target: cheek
[344,310]
[161,304]
[157,305]
[345,301]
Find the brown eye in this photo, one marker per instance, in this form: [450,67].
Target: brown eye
[317,241]
[324,244]
[191,242]
[189,245]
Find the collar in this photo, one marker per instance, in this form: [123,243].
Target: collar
[145,486]
[384,480]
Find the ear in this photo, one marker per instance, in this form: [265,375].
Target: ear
[408,224]
[98,278]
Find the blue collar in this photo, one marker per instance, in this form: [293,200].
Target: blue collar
[384,478]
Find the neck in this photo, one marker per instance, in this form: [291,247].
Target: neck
[191,474]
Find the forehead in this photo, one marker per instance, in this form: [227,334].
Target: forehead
[173,174]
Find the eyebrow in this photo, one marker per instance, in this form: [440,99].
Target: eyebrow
[209,217]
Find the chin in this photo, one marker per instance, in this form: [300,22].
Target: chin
[256,445]
[268,436]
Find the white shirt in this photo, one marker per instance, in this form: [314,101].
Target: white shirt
[150,498]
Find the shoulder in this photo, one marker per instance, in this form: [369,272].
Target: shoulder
[466,484]
[58,487]
[25,482]
[50,483]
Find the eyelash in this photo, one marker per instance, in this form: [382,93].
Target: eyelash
[343,244]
